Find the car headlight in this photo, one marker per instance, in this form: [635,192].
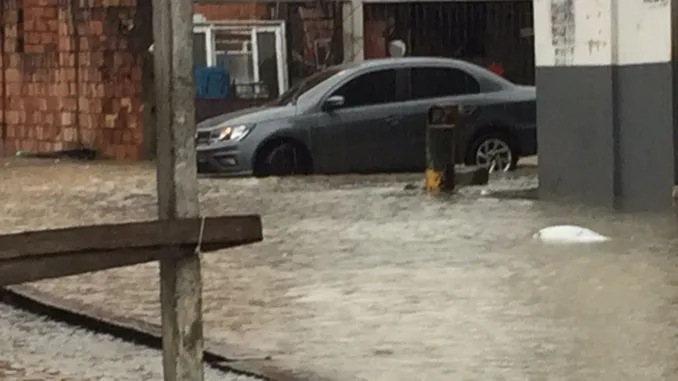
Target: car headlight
[230,133]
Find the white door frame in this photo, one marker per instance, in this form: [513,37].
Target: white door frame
[209,43]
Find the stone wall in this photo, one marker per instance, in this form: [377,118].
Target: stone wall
[71,75]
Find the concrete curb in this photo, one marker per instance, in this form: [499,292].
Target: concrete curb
[222,357]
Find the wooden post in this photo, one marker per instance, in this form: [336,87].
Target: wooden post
[440,148]
[181,283]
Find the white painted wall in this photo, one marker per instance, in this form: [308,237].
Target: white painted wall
[602,32]
[644,32]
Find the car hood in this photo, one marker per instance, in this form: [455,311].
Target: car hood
[252,115]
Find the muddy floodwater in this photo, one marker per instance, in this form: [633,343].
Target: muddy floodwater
[360,279]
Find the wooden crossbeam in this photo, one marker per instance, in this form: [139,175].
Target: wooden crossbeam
[36,255]
[218,233]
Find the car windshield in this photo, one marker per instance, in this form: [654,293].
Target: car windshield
[293,93]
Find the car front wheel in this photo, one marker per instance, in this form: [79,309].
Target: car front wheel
[282,159]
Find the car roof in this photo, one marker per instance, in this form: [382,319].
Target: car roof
[405,61]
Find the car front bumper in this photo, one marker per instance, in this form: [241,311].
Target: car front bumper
[223,160]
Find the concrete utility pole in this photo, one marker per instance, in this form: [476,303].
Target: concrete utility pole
[605,102]
[181,283]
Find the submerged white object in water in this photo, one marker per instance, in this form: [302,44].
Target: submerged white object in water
[568,234]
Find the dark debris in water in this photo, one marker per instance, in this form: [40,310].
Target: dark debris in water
[513,194]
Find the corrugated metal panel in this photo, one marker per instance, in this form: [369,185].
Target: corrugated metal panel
[494,34]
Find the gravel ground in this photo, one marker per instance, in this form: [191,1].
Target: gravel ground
[33,348]
[358,279]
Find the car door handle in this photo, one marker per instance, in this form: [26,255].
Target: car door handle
[393,119]
[467,110]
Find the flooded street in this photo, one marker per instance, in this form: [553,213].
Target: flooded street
[360,279]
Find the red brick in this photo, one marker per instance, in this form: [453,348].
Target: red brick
[97,59]
[88,136]
[11,131]
[49,12]
[47,38]
[32,38]
[138,137]
[13,75]
[10,146]
[88,121]
[67,119]
[65,42]
[84,43]
[44,146]
[107,151]
[10,45]
[68,134]
[41,89]
[69,75]
[95,27]
[38,26]
[68,104]
[27,132]
[127,137]
[13,117]
[49,118]
[99,90]
[121,152]
[52,102]
[66,60]
[19,132]
[39,132]
[64,31]
[28,145]
[49,132]
[36,117]
[62,89]
[42,104]
[96,106]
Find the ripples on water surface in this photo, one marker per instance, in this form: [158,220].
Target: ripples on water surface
[491,301]
[358,277]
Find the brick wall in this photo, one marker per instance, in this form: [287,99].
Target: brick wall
[232,11]
[72,76]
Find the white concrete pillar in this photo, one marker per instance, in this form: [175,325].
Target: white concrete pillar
[605,101]
[353,26]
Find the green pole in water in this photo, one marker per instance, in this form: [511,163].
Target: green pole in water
[441,141]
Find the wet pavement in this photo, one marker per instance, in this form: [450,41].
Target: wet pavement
[359,279]
[33,348]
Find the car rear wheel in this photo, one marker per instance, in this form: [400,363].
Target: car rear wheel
[282,159]
[495,151]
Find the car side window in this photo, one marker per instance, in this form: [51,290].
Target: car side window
[433,82]
[372,88]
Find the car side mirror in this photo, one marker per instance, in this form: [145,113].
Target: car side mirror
[333,102]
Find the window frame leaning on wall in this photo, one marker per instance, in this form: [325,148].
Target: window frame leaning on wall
[253,27]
